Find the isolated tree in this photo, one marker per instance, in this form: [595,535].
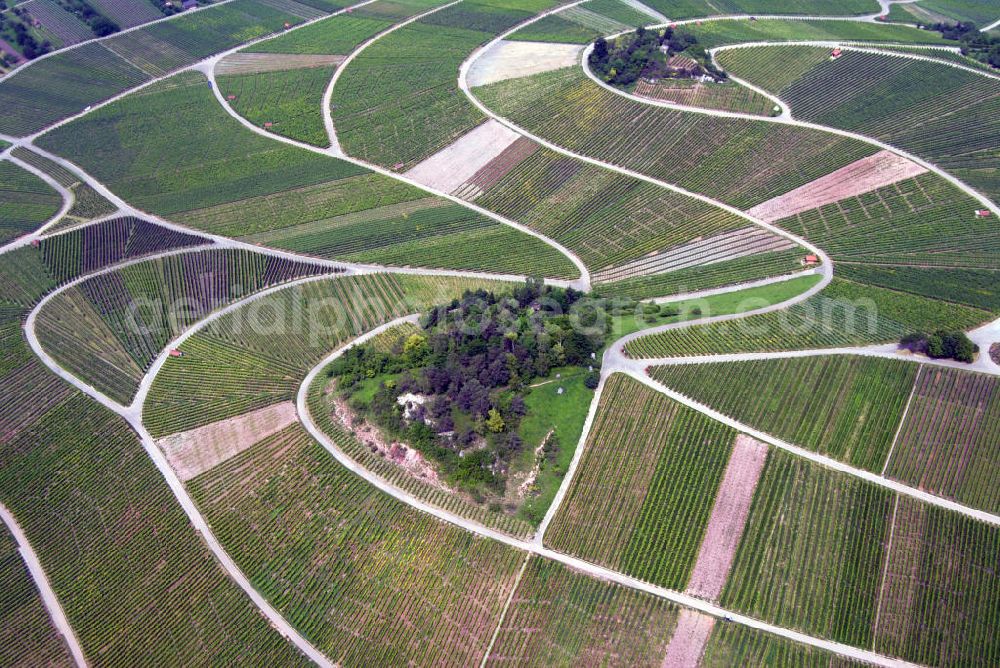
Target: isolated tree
[494,421]
[601,49]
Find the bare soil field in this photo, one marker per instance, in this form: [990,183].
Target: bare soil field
[193,452]
[453,165]
[688,643]
[862,176]
[729,517]
[253,63]
[512,60]
[499,167]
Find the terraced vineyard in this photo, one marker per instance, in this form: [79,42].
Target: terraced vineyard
[265,364]
[174,605]
[194,501]
[712,34]
[943,565]
[683,9]
[667,468]
[415,109]
[220,189]
[26,202]
[283,91]
[88,204]
[28,633]
[947,442]
[941,228]
[952,123]
[843,314]
[805,513]
[109,328]
[558,615]
[704,154]
[95,72]
[348,562]
[640,239]
[845,407]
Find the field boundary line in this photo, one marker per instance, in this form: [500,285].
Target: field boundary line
[582,283]
[41,580]
[827,263]
[68,200]
[902,419]
[26,140]
[93,40]
[885,572]
[134,419]
[506,607]
[883,350]
[823,460]
[327,111]
[581,565]
[573,464]
[875,48]
[791,120]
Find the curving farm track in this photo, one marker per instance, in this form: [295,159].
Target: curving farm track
[614,361]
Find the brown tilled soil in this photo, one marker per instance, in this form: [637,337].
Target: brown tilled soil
[688,643]
[896,597]
[729,516]
[862,176]
[193,452]
[497,168]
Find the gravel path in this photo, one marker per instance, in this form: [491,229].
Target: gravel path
[615,360]
[44,588]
